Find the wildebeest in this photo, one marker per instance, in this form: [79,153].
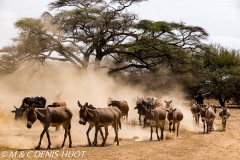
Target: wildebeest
[122,106]
[39,101]
[208,116]
[109,100]
[157,117]
[168,104]
[90,125]
[224,114]
[174,116]
[101,117]
[141,111]
[57,96]
[57,104]
[152,102]
[196,109]
[50,116]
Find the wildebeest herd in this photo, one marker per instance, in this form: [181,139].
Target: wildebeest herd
[154,112]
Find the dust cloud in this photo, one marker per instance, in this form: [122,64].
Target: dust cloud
[91,87]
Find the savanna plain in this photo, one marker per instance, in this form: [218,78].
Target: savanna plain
[18,142]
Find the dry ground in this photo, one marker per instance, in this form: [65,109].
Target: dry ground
[16,139]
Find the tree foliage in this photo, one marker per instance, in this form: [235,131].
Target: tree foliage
[104,35]
[222,71]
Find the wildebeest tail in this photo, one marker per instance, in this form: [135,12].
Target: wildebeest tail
[119,123]
[69,126]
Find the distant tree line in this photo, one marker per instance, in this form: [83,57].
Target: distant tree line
[104,35]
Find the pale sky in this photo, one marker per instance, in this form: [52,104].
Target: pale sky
[220,18]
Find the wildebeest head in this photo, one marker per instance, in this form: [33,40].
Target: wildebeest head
[18,112]
[31,115]
[148,102]
[39,102]
[83,113]
[167,103]
[115,103]
[57,96]
[203,113]
[170,115]
[150,112]
[139,106]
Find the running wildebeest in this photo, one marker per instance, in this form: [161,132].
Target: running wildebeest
[157,117]
[174,116]
[50,116]
[122,106]
[90,125]
[39,101]
[196,109]
[208,116]
[102,117]
[224,114]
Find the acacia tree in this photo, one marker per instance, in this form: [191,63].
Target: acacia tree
[222,72]
[88,32]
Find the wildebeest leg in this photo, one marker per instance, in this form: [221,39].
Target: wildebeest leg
[203,127]
[116,134]
[157,132]
[139,119]
[89,129]
[151,133]
[207,127]
[144,122]
[162,129]
[101,132]
[106,135]
[67,132]
[170,124]
[70,138]
[178,128]
[174,126]
[212,128]
[49,142]
[198,116]
[224,122]
[41,136]
[96,134]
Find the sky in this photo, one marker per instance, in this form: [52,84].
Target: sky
[220,18]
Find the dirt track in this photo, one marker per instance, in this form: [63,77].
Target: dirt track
[192,143]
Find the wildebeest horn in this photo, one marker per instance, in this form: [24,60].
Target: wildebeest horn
[145,107]
[26,105]
[15,107]
[79,104]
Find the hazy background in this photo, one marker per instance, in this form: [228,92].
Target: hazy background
[91,87]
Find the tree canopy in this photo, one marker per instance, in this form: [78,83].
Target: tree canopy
[103,34]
